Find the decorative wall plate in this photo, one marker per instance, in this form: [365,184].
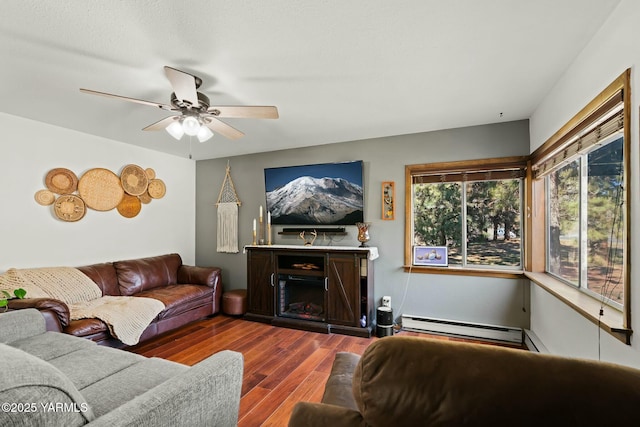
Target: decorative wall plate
[61,181]
[69,207]
[100,189]
[145,198]
[151,174]
[157,189]
[45,197]
[129,206]
[134,180]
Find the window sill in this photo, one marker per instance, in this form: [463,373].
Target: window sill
[459,271]
[612,320]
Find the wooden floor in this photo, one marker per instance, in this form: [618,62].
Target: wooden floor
[281,366]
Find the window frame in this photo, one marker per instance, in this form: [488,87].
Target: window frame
[614,321]
[583,213]
[500,164]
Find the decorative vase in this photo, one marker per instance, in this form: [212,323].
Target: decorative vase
[363,233]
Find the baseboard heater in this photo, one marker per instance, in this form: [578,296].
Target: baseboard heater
[533,343]
[462,329]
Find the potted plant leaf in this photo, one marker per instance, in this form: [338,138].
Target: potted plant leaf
[6,296]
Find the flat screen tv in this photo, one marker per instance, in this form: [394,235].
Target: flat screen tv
[318,194]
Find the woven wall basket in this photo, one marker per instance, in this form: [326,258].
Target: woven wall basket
[45,197]
[100,189]
[145,198]
[69,207]
[61,181]
[157,189]
[129,206]
[134,180]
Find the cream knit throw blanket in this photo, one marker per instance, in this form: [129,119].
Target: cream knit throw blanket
[126,317]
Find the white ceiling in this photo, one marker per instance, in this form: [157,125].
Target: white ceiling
[337,70]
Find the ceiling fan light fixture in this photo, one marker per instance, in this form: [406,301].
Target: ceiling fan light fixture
[191,126]
[204,134]
[175,129]
[192,110]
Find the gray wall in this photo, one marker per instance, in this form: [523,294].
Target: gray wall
[477,299]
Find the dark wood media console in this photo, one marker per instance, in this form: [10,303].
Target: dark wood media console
[319,289]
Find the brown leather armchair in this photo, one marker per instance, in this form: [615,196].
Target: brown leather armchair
[409,381]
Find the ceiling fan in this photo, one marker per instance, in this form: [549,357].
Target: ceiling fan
[197,117]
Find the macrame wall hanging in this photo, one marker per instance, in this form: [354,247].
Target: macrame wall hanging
[228,203]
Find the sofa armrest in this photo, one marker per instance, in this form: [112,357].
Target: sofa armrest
[307,414]
[210,276]
[208,394]
[51,320]
[19,324]
[58,307]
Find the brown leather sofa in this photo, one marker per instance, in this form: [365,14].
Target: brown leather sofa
[188,293]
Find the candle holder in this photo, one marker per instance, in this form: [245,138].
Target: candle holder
[254,237]
[363,233]
[261,238]
[269,234]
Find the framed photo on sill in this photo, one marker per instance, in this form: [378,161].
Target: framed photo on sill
[430,255]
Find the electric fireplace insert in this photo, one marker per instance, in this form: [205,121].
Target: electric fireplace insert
[301,297]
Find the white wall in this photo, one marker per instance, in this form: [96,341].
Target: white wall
[609,53]
[31,235]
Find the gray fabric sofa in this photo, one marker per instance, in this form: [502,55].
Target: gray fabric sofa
[56,379]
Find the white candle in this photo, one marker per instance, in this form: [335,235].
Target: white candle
[269,217]
[260,213]
[254,225]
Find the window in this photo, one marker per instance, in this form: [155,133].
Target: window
[580,199]
[586,220]
[472,208]
[563,226]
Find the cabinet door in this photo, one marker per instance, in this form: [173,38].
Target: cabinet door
[260,283]
[343,296]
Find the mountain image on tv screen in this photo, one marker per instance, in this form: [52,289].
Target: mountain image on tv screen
[322,194]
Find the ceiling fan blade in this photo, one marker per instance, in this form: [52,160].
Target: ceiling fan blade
[253,112]
[126,98]
[184,85]
[162,124]
[222,128]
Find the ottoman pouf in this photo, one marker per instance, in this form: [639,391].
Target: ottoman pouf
[234,302]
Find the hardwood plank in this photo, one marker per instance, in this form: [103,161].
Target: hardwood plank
[312,383]
[251,399]
[317,394]
[281,366]
[306,356]
[214,342]
[327,363]
[284,389]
